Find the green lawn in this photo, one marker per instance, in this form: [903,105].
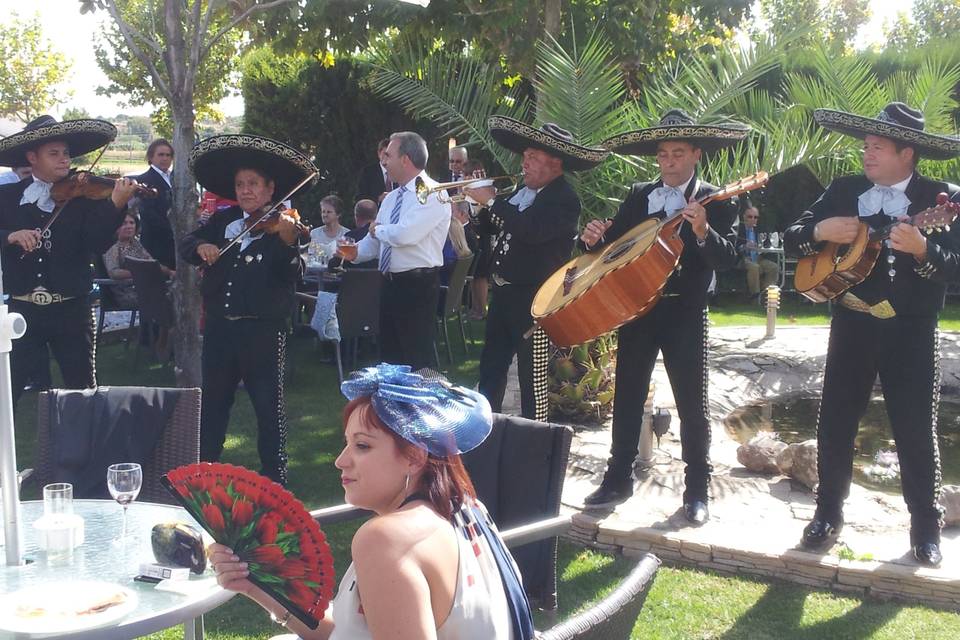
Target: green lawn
[683,603]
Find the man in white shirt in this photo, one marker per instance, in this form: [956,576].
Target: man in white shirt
[408,238]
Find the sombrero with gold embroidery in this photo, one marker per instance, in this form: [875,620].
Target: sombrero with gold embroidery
[82,137]
[676,125]
[216,160]
[518,137]
[897,122]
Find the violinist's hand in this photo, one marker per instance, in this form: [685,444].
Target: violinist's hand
[594,231]
[26,239]
[231,573]
[123,190]
[209,253]
[287,229]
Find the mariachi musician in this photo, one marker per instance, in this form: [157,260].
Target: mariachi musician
[887,324]
[248,289]
[535,228]
[677,325]
[46,259]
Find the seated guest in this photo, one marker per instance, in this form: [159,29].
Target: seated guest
[323,239]
[127,244]
[426,565]
[761,273]
[458,242]
[364,212]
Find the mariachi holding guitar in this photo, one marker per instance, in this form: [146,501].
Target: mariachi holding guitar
[597,292]
[840,265]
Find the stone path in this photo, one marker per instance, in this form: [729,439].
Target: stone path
[756,520]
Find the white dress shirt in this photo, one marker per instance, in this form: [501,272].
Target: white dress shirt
[892,200]
[660,199]
[164,174]
[8,177]
[417,239]
[236,227]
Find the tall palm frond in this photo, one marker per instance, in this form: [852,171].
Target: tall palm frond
[578,88]
[457,91]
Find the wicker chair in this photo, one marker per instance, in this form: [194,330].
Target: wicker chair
[179,444]
[615,616]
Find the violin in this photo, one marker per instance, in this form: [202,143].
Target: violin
[270,223]
[83,184]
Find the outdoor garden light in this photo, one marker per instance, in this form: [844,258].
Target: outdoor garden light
[773,303]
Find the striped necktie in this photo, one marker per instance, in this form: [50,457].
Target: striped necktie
[385,249]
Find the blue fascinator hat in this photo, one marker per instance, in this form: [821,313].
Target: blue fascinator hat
[432,414]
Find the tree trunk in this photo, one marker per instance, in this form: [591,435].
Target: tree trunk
[183,219]
[551,17]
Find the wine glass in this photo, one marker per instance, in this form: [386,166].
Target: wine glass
[124,481]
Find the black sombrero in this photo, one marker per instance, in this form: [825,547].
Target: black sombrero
[215,162]
[518,137]
[677,126]
[897,122]
[81,136]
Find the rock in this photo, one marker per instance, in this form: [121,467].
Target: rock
[799,461]
[760,454]
[950,501]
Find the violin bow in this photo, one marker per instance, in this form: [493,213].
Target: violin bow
[240,236]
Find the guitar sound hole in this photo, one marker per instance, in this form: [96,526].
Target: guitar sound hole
[617,253]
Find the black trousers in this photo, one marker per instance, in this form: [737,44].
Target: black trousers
[905,353]
[68,330]
[680,332]
[507,320]
[252,351]
[408,318]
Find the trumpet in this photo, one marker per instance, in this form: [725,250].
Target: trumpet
[423,191]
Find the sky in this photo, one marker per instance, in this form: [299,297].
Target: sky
[73,34]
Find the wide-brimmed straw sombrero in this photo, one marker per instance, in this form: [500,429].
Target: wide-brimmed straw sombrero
[518,137]
[677,126]
[897,122]
[81,136]
[215,162]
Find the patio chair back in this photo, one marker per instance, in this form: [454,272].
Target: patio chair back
[177,444]
[518,473]
[151,286]
[358,303]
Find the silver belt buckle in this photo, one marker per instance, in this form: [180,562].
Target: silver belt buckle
[42,297]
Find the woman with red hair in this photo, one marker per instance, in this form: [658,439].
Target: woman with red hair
[430,563]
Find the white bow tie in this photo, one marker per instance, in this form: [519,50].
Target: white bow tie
[667,199]
[892,202]
[523,198]
[38,192]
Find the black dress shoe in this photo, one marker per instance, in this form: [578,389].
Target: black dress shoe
[928,554]
[696,512]
[820,533]
[608,494]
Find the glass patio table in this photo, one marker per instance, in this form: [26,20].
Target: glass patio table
[101,561]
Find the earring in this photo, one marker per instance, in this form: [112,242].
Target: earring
[406,483]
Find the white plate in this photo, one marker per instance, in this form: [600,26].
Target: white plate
[48,609]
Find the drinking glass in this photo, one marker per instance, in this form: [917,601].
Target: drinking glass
[347,248]
[124,481]
[774,239]
[763,239]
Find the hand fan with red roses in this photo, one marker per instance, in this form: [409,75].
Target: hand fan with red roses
[267,527]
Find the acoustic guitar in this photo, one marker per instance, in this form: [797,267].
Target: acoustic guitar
[598,292]
[837,267]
